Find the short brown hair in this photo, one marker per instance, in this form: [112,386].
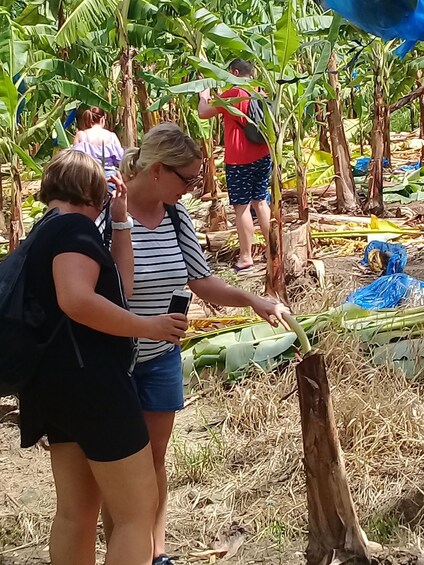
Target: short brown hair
[73,176]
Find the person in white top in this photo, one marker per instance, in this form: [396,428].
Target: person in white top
[167,257]
[98,142]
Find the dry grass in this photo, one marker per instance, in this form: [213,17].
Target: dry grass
[236,456]
[254,474]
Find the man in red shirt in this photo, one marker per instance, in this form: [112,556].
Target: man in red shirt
[247,165]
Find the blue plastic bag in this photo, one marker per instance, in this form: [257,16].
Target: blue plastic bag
[397,252]
[413,167]
[362,165]
[388,19]
[387,291]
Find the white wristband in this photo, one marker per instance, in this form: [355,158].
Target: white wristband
[123,225]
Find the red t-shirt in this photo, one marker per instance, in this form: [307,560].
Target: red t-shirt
[238,149]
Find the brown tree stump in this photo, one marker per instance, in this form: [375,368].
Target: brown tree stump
[217,216]
[335,535]
[296,249]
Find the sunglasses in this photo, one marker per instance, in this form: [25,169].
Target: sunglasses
[191,182]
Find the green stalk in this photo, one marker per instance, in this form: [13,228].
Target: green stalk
[294,325]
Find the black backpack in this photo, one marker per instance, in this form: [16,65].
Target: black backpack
[255,113]
[20,317]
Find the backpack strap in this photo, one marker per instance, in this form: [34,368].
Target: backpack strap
[175,218]
[172,213]
[240,125]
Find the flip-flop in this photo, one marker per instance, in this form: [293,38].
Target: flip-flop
[245,269]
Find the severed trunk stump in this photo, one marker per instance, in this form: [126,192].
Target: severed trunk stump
[217,216]
[296,250]
[335,535]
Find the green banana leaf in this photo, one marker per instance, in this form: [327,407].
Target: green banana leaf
[235,350]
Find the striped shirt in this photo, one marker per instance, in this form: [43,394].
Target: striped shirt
[163,264]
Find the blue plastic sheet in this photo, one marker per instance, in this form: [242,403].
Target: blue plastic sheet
[412,167]
[387,291]
[362,165]
[396,251]
[388,19]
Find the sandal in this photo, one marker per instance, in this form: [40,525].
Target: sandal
[245,269]
[162,559]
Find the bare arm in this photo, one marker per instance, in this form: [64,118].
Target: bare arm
[115,140]
[216,291]
[121,249]
[75,277]
[79,136]
[205,110]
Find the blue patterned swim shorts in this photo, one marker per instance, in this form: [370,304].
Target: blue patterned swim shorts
[248,182]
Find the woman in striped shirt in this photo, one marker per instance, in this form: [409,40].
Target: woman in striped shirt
[157,175]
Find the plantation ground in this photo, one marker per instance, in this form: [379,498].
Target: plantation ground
[235,461]
[236,456]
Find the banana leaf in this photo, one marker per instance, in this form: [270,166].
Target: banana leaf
[234,350]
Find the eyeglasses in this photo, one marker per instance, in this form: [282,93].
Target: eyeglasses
[106,200]
[191,182]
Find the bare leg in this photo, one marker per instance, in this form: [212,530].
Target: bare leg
[159,425]
[263,213]
[129,490]
[73,534]
[245,229]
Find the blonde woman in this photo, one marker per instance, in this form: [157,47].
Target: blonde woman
[83,397]
[157,175]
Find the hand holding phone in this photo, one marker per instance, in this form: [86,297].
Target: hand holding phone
[180,302]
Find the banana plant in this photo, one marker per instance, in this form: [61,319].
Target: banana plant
[35,88]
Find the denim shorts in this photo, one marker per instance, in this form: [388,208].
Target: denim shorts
[248,182]
[159,382]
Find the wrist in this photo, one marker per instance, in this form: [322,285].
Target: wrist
[251,300]
[126,224]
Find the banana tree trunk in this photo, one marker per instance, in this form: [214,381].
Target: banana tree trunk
[144,102]
[275,284]
[61,18]
[387,150]
[324,144]
[173,114]
[421,106]
[16,229]
[374,203]
[302,192]
[345,184]
[335,535]
[217,216]
[129,121]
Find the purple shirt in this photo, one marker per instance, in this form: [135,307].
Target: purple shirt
[108,155]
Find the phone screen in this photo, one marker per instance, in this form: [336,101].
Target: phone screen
[179,304]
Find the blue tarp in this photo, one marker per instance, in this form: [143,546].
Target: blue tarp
[391,289]
[361,166]
[387,291]
[396,252]
[389,19]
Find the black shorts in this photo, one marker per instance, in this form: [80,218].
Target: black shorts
[106,440]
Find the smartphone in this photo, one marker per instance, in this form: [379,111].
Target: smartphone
[180,302]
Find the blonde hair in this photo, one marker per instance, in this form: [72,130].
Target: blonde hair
[73,176]
[165,143]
